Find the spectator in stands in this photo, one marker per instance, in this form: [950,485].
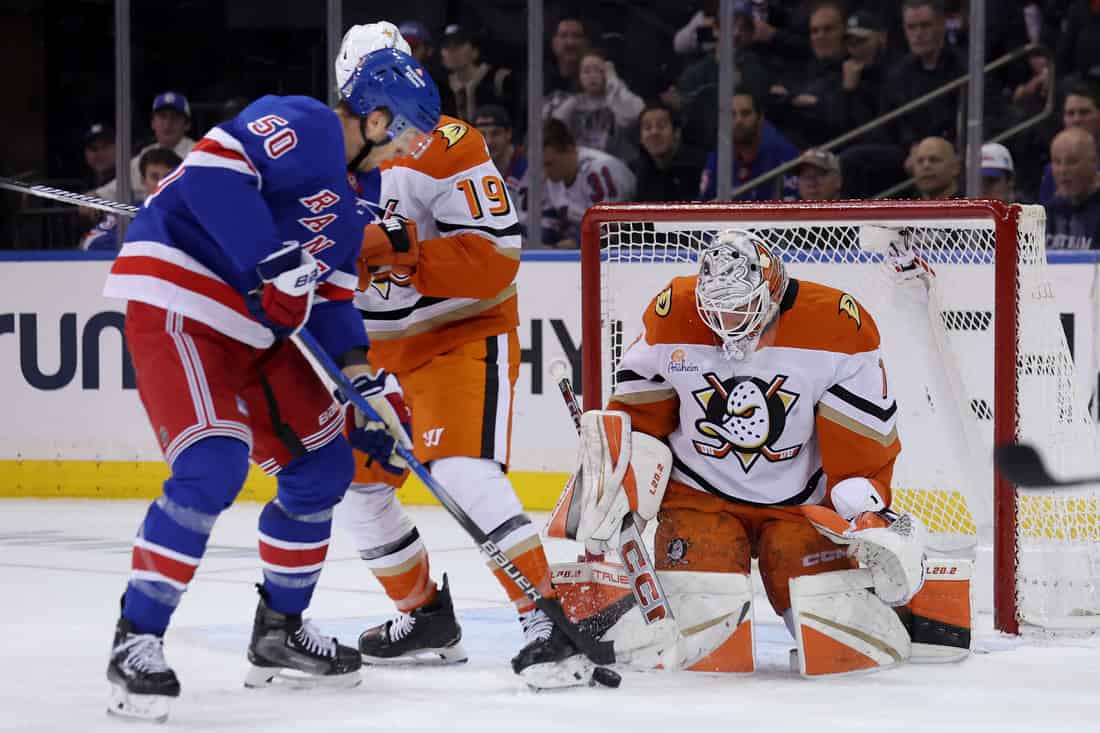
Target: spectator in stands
[1029,96]
[1081,109]
[1078,51]
[998,173]
[758,147]
[936,169]
[562,77]
[700,34]
[775,36]
[1073,215]
[99,153]
[862,72]
[928,65]
[153,165]
[231,108]
[170,122]
[810,109]
[416,35]
[819,176]
[576,178]
[667,169]
[695,94]
[604,114]
[471,82]
[494,122]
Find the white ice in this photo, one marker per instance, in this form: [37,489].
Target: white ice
[64,564]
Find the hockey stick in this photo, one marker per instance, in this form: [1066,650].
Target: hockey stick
[600,652]
[68,197]
[1023,466]
[643,574]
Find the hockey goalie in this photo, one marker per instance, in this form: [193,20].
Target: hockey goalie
[753,418]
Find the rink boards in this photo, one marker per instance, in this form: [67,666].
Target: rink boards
[75,427]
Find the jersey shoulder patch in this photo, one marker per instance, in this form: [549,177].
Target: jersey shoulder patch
[456,147]
[671,317]
[827,319]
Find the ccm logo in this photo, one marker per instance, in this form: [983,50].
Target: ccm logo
[819,557]
[650,602]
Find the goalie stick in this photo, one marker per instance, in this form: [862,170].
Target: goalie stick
[600,652]
[68,197]
[644,583]
[1023,466]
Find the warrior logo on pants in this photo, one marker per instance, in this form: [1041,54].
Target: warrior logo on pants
[744,416]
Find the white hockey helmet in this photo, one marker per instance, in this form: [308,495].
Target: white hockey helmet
[740,286]
[363,39]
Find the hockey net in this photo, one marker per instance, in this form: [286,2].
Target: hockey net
[978,358]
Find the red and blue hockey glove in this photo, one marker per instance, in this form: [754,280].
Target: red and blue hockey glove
[379,438]
[282,302]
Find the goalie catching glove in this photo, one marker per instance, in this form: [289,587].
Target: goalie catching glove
[621,471]
[391,243]
[890,546]
[379,438]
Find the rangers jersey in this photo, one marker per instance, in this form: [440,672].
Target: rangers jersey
[275,173]
[601,178]
[809,409]
[463,287]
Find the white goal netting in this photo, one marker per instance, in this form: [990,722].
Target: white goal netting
[939,346]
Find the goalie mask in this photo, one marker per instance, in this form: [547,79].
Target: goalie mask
[740,285]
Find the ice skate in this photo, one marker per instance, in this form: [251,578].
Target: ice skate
[551,660]
[142,683]
[429,635]
[287,650]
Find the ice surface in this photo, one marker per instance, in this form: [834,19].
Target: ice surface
[64,564]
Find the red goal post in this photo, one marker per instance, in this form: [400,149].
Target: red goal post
[976,240]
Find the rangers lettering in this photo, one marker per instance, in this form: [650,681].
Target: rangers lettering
[317,223]
[319,201]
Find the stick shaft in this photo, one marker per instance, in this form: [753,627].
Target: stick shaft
[68,197]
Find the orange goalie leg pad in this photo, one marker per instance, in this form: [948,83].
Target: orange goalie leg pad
[791,549]
[531,561]
[734,655]
[825,655]
[409,585]
[938,616]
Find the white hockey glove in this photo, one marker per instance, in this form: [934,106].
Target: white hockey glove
[901,263]
[621,471]
[894,554]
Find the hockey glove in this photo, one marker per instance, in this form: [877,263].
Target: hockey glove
[288,278]
[388,244]
[379,439]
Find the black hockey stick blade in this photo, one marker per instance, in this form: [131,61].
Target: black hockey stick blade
[1023,466]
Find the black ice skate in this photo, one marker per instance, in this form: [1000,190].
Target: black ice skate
[142,683]
[550,659]
[429,635]
[285,649]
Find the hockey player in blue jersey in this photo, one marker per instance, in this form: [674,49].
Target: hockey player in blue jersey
[255,235]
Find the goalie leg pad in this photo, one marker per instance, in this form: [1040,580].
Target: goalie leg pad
[842,627]
[793,548]
[938,617]
[714,614]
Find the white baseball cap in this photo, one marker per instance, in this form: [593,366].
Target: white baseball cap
[996,160]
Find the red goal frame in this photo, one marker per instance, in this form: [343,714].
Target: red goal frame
[1005,219]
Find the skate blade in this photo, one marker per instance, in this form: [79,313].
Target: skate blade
[574,671]
[123,704]
[438,657]
[259,677]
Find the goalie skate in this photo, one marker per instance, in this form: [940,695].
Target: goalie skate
[287,650]
[142,683]
[430,635]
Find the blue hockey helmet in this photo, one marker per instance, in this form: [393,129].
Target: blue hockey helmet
[395,80]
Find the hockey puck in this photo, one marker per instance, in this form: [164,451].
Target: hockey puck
[606,677]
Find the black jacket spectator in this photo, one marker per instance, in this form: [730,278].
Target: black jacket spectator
[909,79]
[1079,43]
[678,181]
[813,123]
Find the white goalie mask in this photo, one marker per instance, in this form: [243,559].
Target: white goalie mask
[361,40]
[740,286]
